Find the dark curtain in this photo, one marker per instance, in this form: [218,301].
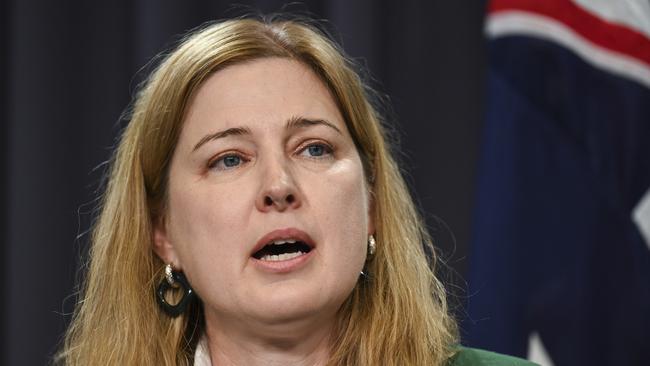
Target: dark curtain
[69,68]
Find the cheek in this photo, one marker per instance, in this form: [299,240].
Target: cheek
[349,192]
[347,207]
[343,206]
[206,222]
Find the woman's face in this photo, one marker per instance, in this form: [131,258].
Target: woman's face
[269,212]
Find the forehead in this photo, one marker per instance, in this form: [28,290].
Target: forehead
[260,94]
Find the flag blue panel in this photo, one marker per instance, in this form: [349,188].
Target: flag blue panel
[565,157]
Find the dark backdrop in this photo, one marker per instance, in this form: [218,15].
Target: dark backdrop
[69,68]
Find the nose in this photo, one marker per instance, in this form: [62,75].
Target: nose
[278,190]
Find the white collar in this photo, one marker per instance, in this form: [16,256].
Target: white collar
[202,353]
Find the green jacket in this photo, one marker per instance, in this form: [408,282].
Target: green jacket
[477,357]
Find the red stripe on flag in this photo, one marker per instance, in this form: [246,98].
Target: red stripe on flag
[615,37]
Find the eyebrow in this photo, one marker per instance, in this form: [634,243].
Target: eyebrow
[235,131]
[292,123]
[302,122]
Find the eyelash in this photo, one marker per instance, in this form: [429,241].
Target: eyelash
[327,153]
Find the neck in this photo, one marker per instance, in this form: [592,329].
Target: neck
[296,343]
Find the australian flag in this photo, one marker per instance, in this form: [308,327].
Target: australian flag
[560,249]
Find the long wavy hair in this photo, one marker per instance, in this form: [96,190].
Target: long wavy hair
[396,316]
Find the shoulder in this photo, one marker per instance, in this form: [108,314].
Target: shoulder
[476,357]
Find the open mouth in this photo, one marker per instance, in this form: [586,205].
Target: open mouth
[282,250]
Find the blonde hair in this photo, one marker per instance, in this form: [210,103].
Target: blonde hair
[397,316]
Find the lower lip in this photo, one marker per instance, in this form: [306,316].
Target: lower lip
[285,266]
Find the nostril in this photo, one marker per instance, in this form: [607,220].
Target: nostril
[288,200]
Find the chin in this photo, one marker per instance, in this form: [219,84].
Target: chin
[288,305]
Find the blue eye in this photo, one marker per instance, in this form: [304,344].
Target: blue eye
[317,151]
[226,162]
[231,161]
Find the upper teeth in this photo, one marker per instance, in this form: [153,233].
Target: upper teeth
[283,241]
[281,257]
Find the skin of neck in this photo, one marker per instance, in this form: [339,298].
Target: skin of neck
[296,342]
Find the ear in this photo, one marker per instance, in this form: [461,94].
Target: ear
[162,245]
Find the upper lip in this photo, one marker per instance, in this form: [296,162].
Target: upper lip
[288,233]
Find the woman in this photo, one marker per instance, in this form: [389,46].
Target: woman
[255,216]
